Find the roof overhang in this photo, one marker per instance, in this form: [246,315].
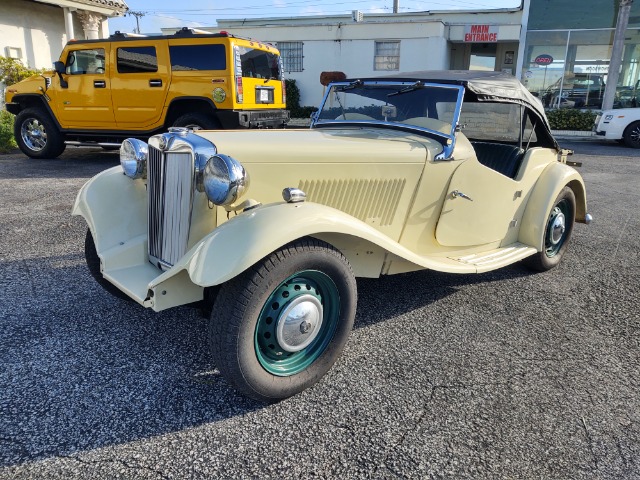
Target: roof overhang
[108,8]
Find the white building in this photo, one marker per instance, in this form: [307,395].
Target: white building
[35,31]
[375,44]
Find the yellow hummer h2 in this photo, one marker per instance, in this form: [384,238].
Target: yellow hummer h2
[103,91]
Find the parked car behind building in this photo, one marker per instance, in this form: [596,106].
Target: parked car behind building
[103,91]
[449,171]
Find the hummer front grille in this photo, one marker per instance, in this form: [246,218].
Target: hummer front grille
[170,193]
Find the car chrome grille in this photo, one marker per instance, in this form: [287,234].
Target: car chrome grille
[170,191]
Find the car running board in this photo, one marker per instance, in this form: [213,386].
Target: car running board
[499,257]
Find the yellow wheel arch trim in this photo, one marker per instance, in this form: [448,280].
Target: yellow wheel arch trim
[553,179]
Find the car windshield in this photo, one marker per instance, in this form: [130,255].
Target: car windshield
[428,106]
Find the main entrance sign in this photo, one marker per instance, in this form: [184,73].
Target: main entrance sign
[481,33]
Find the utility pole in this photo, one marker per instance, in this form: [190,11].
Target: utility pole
[138,15]
[396,6]
[616,54]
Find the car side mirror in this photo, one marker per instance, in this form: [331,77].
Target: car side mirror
[60,68]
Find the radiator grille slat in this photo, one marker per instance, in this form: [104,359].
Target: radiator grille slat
[170,192]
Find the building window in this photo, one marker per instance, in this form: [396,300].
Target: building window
[387,56]
[291,53]
[13,52]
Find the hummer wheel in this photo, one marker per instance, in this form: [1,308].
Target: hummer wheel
[278,327]
[36,134]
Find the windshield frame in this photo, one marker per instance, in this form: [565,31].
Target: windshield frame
[447,140]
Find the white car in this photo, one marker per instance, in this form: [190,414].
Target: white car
[622,124]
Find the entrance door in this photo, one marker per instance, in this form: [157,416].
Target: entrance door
[483,56]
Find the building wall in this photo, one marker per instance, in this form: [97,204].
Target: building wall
[338,43]
[34,28]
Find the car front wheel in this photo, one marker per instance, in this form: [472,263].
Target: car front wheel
[37,135]
[557,232]
[631,135]
[278,327]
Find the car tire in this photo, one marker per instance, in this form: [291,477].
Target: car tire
[631,135]
[93,263]
[197,121]
[557,232]
[37,135]
[263,349]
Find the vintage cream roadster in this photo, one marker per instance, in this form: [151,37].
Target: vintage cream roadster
[449,171]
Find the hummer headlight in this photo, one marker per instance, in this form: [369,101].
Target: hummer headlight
[133,157]
[224,179]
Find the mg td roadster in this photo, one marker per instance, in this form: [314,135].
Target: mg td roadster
[449,171]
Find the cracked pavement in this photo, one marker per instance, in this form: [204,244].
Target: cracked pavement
[506,374]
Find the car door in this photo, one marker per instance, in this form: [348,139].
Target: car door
[483,195]
[140,81]
[86,102]
[479,206]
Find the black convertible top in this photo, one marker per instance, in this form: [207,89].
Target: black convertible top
[487,86]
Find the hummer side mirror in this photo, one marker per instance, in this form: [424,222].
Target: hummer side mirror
[60,68]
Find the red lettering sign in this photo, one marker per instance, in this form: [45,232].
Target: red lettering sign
[480,33]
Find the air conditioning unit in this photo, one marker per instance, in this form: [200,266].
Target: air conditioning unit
[357,15]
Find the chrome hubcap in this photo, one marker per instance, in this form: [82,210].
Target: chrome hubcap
[558,228]
[33,134]
[299,323]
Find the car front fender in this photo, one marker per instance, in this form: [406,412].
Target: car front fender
[552,180]
[242,241]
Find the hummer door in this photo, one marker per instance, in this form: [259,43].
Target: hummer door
[140,84]
[86,102]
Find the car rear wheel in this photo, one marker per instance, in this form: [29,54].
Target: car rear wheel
[36,134]
[197,121]
[557,232]
[278,327]
[631,135]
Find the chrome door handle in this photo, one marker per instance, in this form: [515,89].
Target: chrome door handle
[155,83]
[456,194]
[99,84]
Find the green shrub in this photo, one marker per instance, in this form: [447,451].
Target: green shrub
[7,142]
[12,70]
[293,101]
[571,119]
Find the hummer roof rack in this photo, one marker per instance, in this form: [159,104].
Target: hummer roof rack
[186,31]
[120,34]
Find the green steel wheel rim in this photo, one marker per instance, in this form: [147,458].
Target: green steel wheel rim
[557,229]
[297,323]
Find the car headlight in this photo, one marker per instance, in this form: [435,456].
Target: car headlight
[224,179]
[133,158]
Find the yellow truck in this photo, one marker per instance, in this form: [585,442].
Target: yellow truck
[103,91]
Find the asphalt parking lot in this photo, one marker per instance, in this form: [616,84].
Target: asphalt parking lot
[507,374]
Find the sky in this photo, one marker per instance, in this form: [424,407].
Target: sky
[159,14]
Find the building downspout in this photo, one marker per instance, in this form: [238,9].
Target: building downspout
[523,37]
